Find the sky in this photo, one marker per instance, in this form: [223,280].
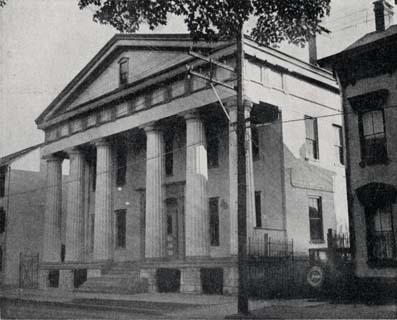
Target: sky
[45,43]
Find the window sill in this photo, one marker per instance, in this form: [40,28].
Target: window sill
[317,241]
[365,163]
[381,263]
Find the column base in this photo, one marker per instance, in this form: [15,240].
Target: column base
[190,280]
[43,279]
[151,276]
[66,278]
[230,280]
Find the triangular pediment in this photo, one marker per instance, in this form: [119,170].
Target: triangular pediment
[147,56]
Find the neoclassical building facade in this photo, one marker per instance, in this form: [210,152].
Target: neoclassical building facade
[152,188]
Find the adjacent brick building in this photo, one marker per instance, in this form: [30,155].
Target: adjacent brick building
[367,75]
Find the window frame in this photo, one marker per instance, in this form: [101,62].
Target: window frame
[255,143]
[3,218]
[318,200]
[315,149]
[121,165]
[214,221]
[123,74]
[169,139]
[339,148]
[258,209]
[376,158]
[213,146]
[3,177]
[373,260]
[121,239]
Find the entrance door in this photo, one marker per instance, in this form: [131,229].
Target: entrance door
[172,228]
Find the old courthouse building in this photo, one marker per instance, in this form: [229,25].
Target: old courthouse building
[367,73]
[153,175]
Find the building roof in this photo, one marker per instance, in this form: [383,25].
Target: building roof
[164,40]
[373,37]
[6,160]
[368,42]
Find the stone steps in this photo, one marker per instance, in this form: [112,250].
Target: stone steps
[121,278]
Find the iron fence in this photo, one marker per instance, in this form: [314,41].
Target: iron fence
[267,247]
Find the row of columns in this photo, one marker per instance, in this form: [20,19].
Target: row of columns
[196,197]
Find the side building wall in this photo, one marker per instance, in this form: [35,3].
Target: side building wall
[381,173]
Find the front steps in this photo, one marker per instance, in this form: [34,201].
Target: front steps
[122,277]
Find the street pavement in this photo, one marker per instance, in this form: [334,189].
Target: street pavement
[57,304]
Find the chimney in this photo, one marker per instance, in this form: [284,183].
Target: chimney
[383,15]
[312,44]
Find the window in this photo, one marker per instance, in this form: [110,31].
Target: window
[372,137]
[93,175]
[120,228]
[381,237]
[258,209]
[255,143]
[214,221]
[3,171]
[338,144]
[123,71]
[212,133]
[311,138]
[316,219]
[121,163]
[1,258]
[169,152]
[2,220]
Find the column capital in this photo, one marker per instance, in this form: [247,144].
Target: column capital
[193,115]
[53,158]
[231,103]
[103,142]
[150,127]
[74,151]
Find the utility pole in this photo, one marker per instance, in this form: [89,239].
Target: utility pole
[242,304]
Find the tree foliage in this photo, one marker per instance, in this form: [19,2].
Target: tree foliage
[3,3]
[276,20]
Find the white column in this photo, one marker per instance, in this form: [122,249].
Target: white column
[155,227]
[196,196]
[52,213]
[103,200]
[75,207]
[233,193]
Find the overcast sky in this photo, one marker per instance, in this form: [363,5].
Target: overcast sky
[45,43]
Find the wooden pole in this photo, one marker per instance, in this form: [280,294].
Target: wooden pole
[241,179]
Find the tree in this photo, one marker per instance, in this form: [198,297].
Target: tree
[3,3]
[295,21]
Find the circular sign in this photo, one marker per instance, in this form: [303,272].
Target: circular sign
[315,276]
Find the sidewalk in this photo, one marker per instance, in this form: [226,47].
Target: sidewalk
[196,306]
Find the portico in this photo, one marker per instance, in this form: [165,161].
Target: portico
[175,220]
